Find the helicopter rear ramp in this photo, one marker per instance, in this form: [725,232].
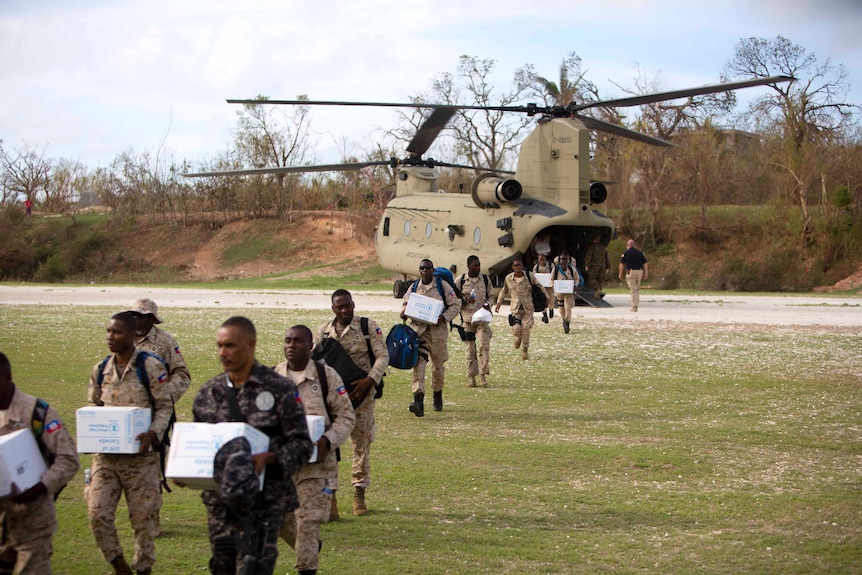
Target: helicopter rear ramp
[588,297]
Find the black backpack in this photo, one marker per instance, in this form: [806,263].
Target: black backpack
[141,370]
[540,298]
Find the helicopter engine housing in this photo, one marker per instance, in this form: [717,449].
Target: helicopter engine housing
[490,189]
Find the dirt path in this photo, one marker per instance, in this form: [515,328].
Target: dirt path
[728,309]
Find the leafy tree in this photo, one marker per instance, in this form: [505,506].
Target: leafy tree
[572,85]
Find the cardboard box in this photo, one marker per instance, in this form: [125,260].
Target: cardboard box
[21,461]
[564,286]
[194,446]
[544,279]
[422,308]
[316,429]
[111,429]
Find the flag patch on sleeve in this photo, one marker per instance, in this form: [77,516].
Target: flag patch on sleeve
[53,426]
[341,390]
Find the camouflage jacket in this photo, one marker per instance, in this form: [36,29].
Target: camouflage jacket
[161,343]
[520,291]
[468,285]
[121,390]
[338,429]
[353,342]
[270,403]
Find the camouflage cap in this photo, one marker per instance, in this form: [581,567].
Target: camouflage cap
[146,306]
[233,471]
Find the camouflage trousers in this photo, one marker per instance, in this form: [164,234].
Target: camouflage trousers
[477,352]
[521,330]
[31,557]
[596,279]
[568,302]
[434,342]
[361,437]
[226,529]
[302,527]
[138,477]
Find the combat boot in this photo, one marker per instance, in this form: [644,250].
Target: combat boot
[524,354]
[120,566]
[333,510]
[482,381]
[566,326]
[359,507]
[471,381]
[417,408]
[545,316]
[438,400]
[551,313]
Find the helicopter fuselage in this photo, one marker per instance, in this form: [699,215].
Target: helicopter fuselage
[491,222]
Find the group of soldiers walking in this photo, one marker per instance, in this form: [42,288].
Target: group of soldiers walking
[145,368]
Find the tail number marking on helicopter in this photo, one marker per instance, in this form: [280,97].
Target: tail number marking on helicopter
[562,139]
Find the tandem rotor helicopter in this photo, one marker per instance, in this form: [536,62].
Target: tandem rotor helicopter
[549,194]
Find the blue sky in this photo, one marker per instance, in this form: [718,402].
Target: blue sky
[86,80]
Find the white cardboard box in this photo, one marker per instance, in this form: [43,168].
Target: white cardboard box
[20,461]
[316,429]
[564,286]
[544,279]
[111,429]
[194,446]
[423,308]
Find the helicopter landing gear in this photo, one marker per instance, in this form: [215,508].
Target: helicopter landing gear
[399,288]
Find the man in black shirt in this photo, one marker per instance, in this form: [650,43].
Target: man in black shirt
[634,263]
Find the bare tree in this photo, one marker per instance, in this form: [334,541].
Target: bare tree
[25,173]
[270,136]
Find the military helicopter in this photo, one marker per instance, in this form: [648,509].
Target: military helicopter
[550,195]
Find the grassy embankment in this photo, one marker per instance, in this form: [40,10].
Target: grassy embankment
[624,447]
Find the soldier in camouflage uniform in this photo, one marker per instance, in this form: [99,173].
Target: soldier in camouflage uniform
[518,288]
[156,340]
[596,265]
[135,475]
[433,339]
[545,267]
[29,519]
[346,328]
[564,269]
[476,293]
[270,403]
[315,482]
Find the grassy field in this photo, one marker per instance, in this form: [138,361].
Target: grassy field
[644,447]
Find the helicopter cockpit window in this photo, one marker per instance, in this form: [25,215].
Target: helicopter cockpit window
[428,229]
[386,226]
[407,227]
[477,235]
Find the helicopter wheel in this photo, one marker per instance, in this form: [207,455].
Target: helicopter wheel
[399,288]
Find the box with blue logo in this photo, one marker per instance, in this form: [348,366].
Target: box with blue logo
[111,429]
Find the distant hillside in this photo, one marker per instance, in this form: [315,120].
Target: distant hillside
[739,249]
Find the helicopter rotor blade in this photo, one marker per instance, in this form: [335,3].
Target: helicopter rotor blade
[292,169]
[673,95]
[429,130]
[603,126]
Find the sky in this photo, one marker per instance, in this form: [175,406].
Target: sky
[88,79]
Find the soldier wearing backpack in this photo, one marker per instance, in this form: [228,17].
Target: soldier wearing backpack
[476,293]
[117,382]
[363,340]
[433,339]
[29,518]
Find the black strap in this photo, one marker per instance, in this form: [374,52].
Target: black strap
[324,387]
[363,323]
[233,404]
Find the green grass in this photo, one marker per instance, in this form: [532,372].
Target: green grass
[623,447]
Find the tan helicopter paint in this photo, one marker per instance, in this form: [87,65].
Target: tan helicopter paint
[553,169]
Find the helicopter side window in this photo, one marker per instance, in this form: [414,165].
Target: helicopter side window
[386,226]
[406,227]
[477,235]
[428,229]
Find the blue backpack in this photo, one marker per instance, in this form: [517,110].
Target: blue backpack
[441,275]
[403,345]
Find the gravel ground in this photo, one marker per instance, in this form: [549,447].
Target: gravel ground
[729,309]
